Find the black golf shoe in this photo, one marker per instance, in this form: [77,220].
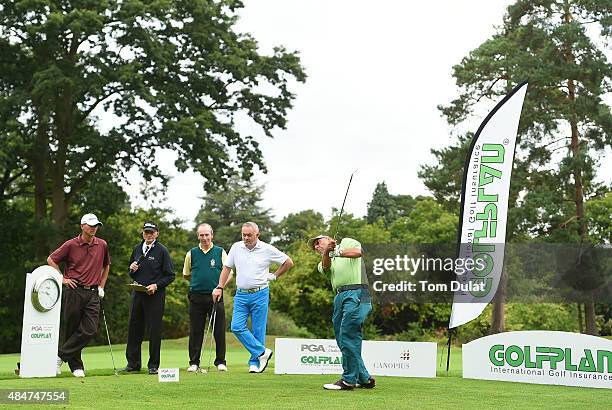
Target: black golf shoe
[129,369]
[371,383]
[153,371]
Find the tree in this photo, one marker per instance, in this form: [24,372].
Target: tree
[428,222]
[18,231]
[444,178]
[547,42]
[405,203]
[304,293]
[298,227]
[389,207]
[102,196]
[107,84]
[599,211]
[382,206]
[227,209]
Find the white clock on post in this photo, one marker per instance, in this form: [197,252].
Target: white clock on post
[41,321]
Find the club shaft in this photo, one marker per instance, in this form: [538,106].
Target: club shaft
[109,341]
[214,321]
[207,330]
[342,208]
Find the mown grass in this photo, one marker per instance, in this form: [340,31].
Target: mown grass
[239,389]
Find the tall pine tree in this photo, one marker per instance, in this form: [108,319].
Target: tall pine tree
[565,123]
[382,205]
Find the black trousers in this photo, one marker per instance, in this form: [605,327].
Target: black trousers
[81,315]
[201,306]
[149,310]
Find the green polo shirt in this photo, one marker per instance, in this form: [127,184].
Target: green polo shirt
[345,271]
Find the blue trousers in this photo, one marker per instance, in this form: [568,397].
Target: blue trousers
[255,305]
[351,308]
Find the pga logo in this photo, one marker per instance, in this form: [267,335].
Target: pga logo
[168,375]
[312,348]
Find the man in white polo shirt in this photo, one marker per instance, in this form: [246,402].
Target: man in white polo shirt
[251,260]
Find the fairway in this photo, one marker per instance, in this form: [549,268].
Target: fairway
[239,389]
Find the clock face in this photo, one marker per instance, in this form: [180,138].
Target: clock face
[46,293]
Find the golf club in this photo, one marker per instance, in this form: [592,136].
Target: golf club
[109,342]
[214,321]
[342,208]
[206,331]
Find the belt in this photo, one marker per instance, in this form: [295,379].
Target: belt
[340,289]
[252,290]
[88,287]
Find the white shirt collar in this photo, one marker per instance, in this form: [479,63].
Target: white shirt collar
[257,245]
[144,245]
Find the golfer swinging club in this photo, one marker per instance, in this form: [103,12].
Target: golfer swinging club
[251,260]
[352,304]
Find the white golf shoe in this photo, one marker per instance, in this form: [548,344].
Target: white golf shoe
[221,367]
[253,369]
[339,385]
[264,359]
[79,373]
[193,368]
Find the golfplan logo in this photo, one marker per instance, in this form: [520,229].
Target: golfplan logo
[484,187]
[542,357]
[484,203]
[556,361]
[318,355]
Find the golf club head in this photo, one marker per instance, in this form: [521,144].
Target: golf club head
[203,371]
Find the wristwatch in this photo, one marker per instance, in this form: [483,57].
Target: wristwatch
[219,287]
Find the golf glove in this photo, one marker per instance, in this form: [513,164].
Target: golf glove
[101,293]
[271,277]
[335,253]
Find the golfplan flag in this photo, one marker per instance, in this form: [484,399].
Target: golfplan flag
[484,206]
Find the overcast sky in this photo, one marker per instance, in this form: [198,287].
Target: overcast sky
[376,72]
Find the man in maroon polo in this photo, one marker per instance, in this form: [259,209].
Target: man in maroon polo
[87,263]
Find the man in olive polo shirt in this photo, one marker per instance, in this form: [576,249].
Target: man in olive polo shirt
[352,304]
[87,264]
[202,268]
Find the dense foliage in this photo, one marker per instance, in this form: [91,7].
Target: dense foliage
[92,89]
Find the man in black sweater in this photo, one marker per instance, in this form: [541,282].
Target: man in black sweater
[151,266]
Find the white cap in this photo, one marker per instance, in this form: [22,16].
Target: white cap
[311,241]
[91,220]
